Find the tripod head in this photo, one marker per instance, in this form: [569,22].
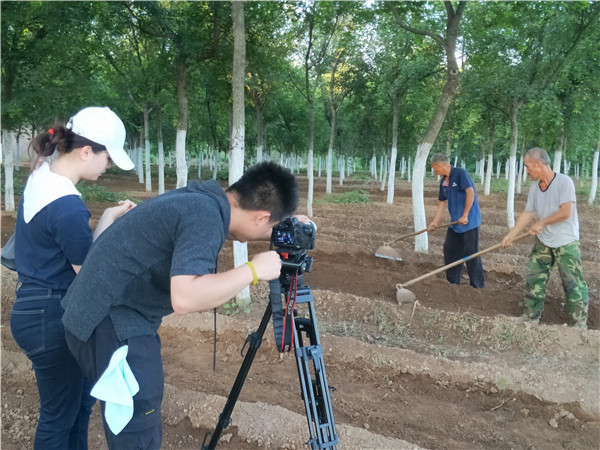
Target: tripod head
[292,240]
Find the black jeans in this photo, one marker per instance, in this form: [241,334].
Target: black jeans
[461,245]
[144,431]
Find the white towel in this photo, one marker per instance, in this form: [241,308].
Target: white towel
[43,187]
[116,387]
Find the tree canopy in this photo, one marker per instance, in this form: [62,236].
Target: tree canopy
[307,57]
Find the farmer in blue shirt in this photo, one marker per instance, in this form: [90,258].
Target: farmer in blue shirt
[457,194]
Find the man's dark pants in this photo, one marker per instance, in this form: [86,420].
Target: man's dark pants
[461,245]
[144,431]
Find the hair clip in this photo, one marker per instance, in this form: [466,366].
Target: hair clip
[51,131]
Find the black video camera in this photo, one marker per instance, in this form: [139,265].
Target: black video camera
[292,240]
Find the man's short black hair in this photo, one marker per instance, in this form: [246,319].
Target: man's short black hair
[267,186]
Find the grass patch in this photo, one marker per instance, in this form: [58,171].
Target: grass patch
[346,329]
[498,334]
[96,193]
[351,197]
[390,330]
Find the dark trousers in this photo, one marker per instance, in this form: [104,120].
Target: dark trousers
[461,245]
[144,431]
[65,403]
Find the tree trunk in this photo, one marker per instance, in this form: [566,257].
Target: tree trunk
[521,167]
[594,187]
[448,92]
[392,172]
[514,135]
[8,148]
[161,150]
[259,132]
[236,161]
[384,171]
[182,123]
[18,152]
[310,162]
[558,153]
[330,152]
[147,151]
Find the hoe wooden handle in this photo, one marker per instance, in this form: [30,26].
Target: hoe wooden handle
[419,232]
[456,263]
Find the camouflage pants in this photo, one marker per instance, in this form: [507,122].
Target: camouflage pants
[568,260]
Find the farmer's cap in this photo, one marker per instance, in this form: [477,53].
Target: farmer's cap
[101,125]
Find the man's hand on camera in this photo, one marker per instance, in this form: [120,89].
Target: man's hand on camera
[267,265]
[305,219]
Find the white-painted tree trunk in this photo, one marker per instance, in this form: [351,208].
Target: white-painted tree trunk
[520,173]
[161,167]
[384,172]
[557,159]
[236,161]
[140,166]
[594,187]
[180,161]
[147,149]
[182,124]
[329,170]
[392,170]
[18,151]
[482,170]
[215,162]
[420,221]
[488,174]
[514,135]
[161,151]
[392,176]
[8,150]
[310,162]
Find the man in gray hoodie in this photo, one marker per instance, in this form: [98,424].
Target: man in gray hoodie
[161,258]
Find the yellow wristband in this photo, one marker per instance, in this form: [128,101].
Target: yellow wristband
[254,276]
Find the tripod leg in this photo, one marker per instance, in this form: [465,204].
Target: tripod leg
[254,339]
[315,391]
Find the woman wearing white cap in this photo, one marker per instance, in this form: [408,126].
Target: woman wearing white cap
[53,236]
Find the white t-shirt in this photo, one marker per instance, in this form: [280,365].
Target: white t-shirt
[545,203]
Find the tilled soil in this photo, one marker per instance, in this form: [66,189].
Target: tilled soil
[455,370]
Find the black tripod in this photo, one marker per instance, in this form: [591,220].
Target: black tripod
[315,390]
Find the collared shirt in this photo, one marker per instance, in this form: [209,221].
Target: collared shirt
[453,189]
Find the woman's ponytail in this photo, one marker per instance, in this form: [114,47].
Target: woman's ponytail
[45,144]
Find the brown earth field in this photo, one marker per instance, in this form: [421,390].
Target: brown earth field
[454,370]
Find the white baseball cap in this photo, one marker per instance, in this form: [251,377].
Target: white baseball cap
[102,126]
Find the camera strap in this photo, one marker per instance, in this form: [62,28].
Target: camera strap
[283,322]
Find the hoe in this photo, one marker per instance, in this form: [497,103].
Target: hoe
[387,252]
[406,296]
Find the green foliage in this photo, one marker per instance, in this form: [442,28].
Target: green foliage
[126,54]
[351,197]
[232,308]
[97,193]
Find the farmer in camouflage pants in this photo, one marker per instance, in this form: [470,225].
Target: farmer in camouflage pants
[557,239]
